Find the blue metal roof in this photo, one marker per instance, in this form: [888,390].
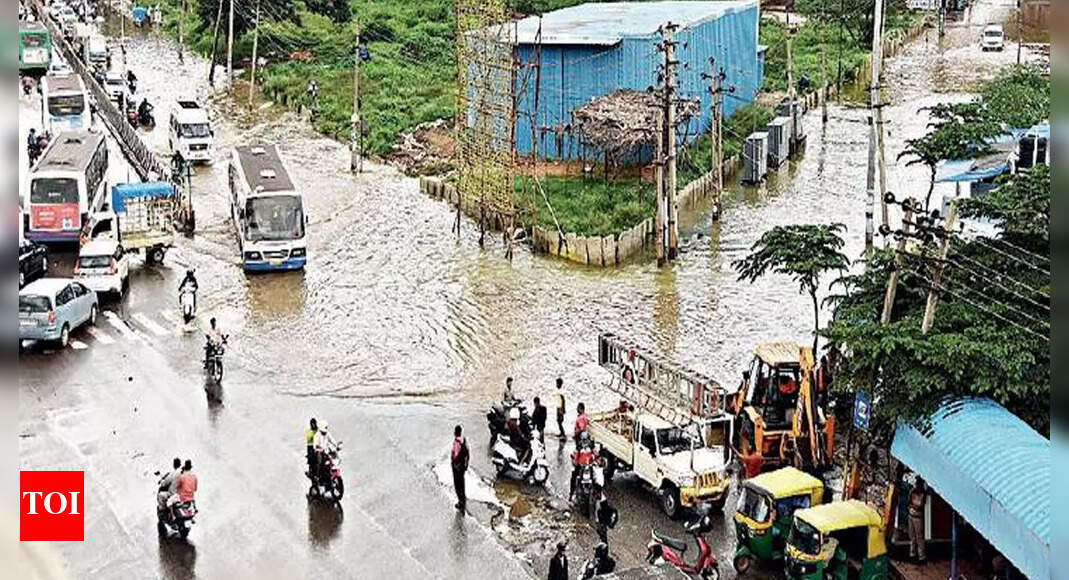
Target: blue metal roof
[608,23]
[993,469]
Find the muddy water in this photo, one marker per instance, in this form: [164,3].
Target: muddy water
[392,305]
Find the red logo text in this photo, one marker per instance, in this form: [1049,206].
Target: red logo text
[51,506]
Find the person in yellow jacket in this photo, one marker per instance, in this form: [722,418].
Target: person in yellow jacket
[309,443]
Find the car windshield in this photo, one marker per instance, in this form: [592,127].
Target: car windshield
[34,304]
[196,130]
[94,261]
[753,505]
[62,105]
[274,218]
[116,81]
[673,440]
[993,33]
[805,537]
[54,190]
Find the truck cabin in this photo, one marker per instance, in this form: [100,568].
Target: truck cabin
[660,437]
[774,379]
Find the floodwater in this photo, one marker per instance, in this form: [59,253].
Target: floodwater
[398,317]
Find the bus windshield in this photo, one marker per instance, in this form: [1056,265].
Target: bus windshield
[274,218]
[196,130]
[32,40]
[54,190]
[65,105]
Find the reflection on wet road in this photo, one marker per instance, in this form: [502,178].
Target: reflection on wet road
[396,331]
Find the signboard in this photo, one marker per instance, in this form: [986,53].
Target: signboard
[923,4]
[862,410]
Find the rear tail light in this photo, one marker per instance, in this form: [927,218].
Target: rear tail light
[112,268]
[51,316]
[77,271]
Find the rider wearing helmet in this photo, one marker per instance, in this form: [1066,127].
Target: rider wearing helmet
[324,443]
[190,282]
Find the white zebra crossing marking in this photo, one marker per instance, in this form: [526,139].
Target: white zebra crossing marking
[149,324]
[117,323]
[100,335]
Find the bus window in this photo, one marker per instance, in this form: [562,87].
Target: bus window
[63,105]
[54,190]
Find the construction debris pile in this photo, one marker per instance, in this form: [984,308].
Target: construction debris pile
[425,150]
[626,119]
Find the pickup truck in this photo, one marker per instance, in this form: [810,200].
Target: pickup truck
[686,467]
[141,217]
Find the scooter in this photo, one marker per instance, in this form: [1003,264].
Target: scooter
[329,483]
[187,300]
[498,416]
[662,549]
[175,518]
[505,459]
[590,477]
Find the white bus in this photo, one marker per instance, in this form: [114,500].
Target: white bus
[190,132]
[67,184]
[267,209]
[64,103]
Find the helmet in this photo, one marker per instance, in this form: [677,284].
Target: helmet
[323,427]
[514,413]
[601,550]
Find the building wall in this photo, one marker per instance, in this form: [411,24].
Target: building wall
[572,75]
[1036,13]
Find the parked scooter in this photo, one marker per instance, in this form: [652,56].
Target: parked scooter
[600,563]
[328,483]
[506,460]
[663,549]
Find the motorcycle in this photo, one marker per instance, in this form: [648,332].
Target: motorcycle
[590,476]
[498,416]
[328,483]
[213,360]
[506,459]
[175,518]
[600,563]
[662,549]
[187,300]
[145,118]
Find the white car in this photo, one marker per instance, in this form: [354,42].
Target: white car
[103,266]
[992,38]
[115,85]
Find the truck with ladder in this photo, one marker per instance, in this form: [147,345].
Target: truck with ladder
[670,428]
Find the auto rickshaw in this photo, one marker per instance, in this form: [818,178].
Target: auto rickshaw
[837,540]
[765,510]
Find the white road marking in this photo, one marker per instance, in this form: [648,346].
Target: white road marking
[78,345]
[150,325]
[118,324]
[174,318]
[100,335]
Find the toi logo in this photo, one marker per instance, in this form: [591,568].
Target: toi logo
[51,506]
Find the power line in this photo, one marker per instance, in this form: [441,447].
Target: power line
[1041,258]
[983,240]
[995,314]
[995,272]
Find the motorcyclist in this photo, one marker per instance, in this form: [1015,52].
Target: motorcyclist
[324,443]
[190,283]
[32,150]
[519,437]
[131,81]
[214,339]
[309,445]
[582,456]
[167,485]
[144,112]
[186,483]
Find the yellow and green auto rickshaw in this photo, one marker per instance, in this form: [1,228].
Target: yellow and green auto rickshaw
[765,510]
[837,540]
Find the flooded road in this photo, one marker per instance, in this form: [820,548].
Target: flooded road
[396,331]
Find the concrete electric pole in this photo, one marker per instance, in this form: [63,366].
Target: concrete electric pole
[230,50]
[255,47]
[670,131]
[875,129]
[937,277]
[356,161]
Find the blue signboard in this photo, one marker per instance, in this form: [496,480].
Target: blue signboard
[862,410]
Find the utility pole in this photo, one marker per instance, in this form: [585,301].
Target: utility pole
[356,162]
[839,75]
[670,104]
[716,155]
[892,280]
[230,50]
[1020,39]
[937,277]
[824,62]
[215,44]
[942,18]
[181,17]
[790,62]
[255,46]
[659,219]
[875,127]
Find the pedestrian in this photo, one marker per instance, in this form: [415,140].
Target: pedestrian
[538,417]
[918,497]
[507,398]
[309,447]
[458,459]
[560,407]
[581,420]
[605,515]
[558,565]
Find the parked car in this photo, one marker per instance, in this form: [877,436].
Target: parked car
[103,265]
[50,308]
[992,38]
[33,262]
[115,85]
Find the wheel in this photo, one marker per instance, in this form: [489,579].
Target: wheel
[155,255]
[338,490]
[216,370]
[670,501]
[711,573]
[183,530]
[93,315]
[541,474]
[742,563]
[65,336]
[610,469]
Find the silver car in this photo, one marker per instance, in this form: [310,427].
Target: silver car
[50,308]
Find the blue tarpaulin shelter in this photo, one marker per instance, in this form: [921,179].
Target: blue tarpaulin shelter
[592,50]
[138,14]
[992,469]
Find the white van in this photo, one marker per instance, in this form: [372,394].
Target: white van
[103,266]
[96,49]
[190,132]
[992,38]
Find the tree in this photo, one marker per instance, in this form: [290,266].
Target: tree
[245,14]
[991,336]
[803,252]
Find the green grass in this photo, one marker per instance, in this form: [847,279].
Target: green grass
[590,206]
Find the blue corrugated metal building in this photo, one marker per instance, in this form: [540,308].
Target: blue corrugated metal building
[992,469]
[591,50]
